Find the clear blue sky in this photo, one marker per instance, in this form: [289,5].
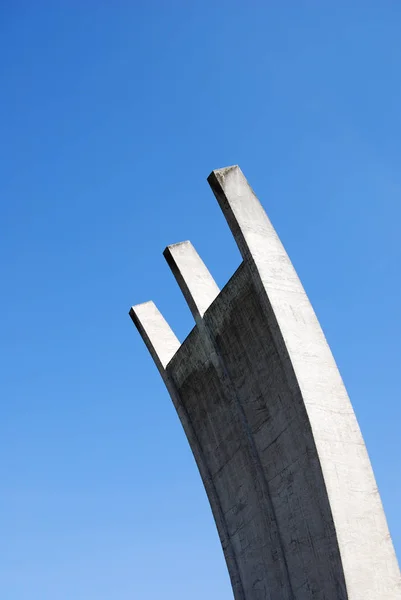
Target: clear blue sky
[112,115]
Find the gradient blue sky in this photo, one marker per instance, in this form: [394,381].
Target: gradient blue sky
[112,115]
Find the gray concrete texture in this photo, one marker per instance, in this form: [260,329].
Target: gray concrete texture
[270,423]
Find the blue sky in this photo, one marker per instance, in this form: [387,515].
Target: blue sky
[112,116]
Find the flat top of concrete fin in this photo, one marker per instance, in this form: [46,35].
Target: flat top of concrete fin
[177,244]
[220,173]
[156,332]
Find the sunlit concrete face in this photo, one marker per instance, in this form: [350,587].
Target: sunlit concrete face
[270,423]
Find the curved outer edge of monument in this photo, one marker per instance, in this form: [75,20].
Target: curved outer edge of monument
[315,526]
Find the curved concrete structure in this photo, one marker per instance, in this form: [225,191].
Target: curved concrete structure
[270,423]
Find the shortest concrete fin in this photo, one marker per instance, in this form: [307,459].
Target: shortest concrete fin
[157,334]
[196,283]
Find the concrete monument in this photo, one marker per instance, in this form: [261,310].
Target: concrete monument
[270,423]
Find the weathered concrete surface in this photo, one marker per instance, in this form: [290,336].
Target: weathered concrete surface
[270,423]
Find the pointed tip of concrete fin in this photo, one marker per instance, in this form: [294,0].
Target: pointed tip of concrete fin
[156,333]
[196,283]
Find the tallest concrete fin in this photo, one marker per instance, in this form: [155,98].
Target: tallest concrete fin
[243,211]
[359,520]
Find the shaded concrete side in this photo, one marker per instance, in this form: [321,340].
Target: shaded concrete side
[162,345]
[256,440]
[369,562]
[249,532]
[279,428]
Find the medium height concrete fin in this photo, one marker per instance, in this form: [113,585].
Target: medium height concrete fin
[196,283]
[156,333]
